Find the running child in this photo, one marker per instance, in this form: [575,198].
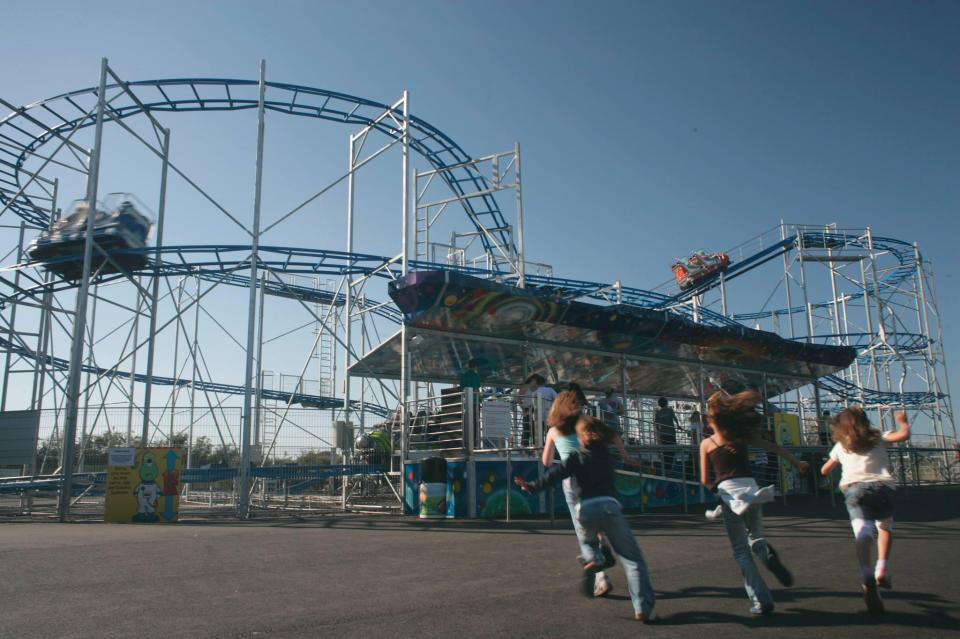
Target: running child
[562,439]
[737,425]
[867,487]
[592,464]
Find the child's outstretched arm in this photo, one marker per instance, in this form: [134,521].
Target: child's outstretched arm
[780,451]
[555,474]
[624,455]
[901,434]
[828,467]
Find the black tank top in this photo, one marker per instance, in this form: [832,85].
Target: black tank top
[729,461]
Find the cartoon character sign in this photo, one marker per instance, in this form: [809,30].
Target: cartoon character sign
[147,490]
[143,485]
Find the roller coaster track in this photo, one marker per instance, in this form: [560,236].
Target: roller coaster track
[907,343]
[313,401]
[902,251]
[25,131]
[226,262]
[222,264]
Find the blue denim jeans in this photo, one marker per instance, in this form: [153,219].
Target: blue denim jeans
[869,500]
[746,534]
[604,514]
[572,494]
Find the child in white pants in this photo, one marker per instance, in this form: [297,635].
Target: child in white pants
[867,487]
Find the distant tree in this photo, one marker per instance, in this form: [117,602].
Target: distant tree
[99,444]
[225,456]
[48,456]
[201,452]
[315,458]
[179,441]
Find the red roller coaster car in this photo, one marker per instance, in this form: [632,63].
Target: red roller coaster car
[697,267]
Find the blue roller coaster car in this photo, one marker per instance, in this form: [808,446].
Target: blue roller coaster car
[123,228]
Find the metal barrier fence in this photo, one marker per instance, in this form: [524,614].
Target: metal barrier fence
[468,425]
[284,435]
[295,464]
[296,467]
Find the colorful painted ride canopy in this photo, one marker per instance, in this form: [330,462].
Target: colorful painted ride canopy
[452,317]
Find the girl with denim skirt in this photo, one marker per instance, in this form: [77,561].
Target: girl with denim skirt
[867,487]
[737,425]
[598,511]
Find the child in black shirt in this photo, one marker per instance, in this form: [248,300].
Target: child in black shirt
[600,512]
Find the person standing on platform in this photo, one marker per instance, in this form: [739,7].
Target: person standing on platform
[737,425]
[695,427]
[599,512]
[666,424]
[471,377]
[611,409]
[867,487]
[536,393]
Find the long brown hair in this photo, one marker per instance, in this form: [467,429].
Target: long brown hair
[591,430]
[735,416]
[851,429]
[564,413]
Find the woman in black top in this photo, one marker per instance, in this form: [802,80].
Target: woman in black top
[736,426]
[600,512]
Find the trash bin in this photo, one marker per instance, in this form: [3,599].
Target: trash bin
[433,488]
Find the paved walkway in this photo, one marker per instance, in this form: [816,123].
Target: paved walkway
[377,577]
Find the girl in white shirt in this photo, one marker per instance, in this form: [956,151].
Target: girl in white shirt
[867,487]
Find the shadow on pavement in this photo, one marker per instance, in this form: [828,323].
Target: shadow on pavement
[934,611]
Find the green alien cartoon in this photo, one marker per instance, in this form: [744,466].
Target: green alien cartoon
[147,490]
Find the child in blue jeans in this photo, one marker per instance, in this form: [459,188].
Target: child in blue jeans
[724,455]
[867,487]
[600,512]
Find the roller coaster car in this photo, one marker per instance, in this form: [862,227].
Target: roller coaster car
[124,227]
[697,267]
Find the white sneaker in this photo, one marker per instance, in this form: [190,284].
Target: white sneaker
[601,585]
[714,514]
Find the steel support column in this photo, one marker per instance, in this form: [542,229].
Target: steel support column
[404,342]
[243,505]
[80,313]
[155,292]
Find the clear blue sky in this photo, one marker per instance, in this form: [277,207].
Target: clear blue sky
[647,129]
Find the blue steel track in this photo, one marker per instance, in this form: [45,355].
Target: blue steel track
[27,129]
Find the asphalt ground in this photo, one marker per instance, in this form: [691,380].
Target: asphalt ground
[370,576]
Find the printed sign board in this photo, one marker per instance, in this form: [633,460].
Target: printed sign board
[143,485]
[787,429]
[496,416]
[18,437]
